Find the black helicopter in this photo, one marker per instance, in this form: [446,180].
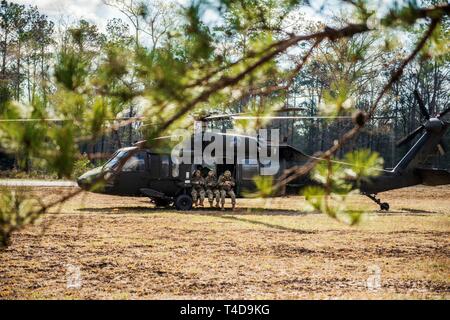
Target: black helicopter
[141,170]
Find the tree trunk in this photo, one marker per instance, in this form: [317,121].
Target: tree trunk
[43,77]
[5,51]
[19,53]
[29,81]
[130,128]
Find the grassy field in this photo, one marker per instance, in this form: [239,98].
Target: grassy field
[126,249]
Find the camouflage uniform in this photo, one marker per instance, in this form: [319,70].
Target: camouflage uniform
[226,184]
[212,190]
[198,190]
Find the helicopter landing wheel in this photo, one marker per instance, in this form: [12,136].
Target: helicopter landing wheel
[183,202]
[384,206]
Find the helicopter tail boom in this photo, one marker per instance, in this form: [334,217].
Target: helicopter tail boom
[434,177]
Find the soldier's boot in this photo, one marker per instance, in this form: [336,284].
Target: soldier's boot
[233,206]
[211,204]
[201,204]
[217,205]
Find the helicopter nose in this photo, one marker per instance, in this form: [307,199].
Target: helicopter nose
[85,180]
[82,183]
[89,179]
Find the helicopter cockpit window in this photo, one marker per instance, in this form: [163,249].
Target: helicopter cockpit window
[135,163]
[115,160]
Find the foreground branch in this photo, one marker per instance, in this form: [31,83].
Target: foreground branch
[299,171]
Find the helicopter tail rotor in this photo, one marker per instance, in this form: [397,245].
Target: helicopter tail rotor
[422,107]
[442,148]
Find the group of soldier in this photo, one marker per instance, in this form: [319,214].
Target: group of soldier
[213,188]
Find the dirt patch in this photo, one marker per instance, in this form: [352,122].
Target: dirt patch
[124,248]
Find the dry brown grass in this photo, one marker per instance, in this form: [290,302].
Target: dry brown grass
[267,249]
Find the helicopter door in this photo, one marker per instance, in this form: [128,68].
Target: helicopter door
[160,174]
[133,176]
[249,169]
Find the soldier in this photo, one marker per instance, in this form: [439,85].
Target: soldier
[212,190]
[226,184]
[198,190]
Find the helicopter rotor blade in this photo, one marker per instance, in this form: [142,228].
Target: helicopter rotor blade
[287,117]
[289,110]
[221,116]
[232,115]
[298,117]
[251,116]
[423,110]
[410,136]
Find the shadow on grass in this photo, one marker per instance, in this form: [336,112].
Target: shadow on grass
[242,211]
[402,212]
[252,211]
[201,211]
[123,210]
[242,214]
[417,210]
[236,216]
[233,217]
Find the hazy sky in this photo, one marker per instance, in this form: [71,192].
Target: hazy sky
[92,10]
[97,12]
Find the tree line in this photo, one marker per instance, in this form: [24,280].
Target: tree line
[349,69]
